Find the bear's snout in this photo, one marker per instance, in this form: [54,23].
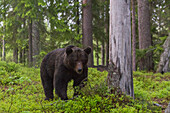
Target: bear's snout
[79,67]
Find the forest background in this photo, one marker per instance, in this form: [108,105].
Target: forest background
[29,29]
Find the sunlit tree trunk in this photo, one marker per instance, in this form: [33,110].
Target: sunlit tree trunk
[3,49]
[78,21]
[4,36]
[120,58]
[87,28]
[97,54]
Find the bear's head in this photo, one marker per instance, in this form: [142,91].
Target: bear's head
[76,58]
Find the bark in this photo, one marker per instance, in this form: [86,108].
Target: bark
[97,54]
[133,35]
[4,36]
[3,50]
[107,52]
[144,34]
[78,21]
[164,65]
[25,36]
[107,32]
[20,56]
[120,59]
[103,54]
[87,28]
[30,59]
[35,43]
[15,55]
[23,56]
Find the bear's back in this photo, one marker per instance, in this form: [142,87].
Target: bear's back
[52,59]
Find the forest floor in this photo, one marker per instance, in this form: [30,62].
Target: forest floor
[21,91]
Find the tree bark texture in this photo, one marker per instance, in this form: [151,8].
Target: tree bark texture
[87,28]
[15,55]
[133,35]
[144,34]
[35,42]
[4,36]
[3,49]
[78,21]
[103,54]
[97,54]
[120,59]
[164,64]
[106,30]
[30,59]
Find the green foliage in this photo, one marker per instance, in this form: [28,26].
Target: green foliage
[21,91]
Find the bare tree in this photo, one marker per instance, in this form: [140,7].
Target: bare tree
[144,34]
[87,28]
[120,58]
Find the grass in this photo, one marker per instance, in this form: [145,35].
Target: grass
[21,92]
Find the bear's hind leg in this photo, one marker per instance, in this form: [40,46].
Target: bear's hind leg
[47,83]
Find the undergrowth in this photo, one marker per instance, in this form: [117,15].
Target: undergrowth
[21,92]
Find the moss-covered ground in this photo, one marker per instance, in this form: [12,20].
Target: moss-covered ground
[21,92]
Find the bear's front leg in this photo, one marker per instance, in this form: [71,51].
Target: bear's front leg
[78,84]
[61,90]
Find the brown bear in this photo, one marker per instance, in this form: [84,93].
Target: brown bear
[62,65]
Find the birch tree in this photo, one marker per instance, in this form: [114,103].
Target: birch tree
[120,66]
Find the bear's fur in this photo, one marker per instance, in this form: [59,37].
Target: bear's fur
[62,65]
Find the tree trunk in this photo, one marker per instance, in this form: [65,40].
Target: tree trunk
[87,28]
[78,21]
[24,36]
[144,34]
[3,49]
[107,52]
[35,42]
[97,52]
[15,55]
[107,32]
[164,65]
[120,59]
[103,54]
[134,35]
[30,59]
[4,36]
[20,56]
[23,56]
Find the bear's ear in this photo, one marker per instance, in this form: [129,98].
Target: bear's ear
[69,50]
[88,50]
